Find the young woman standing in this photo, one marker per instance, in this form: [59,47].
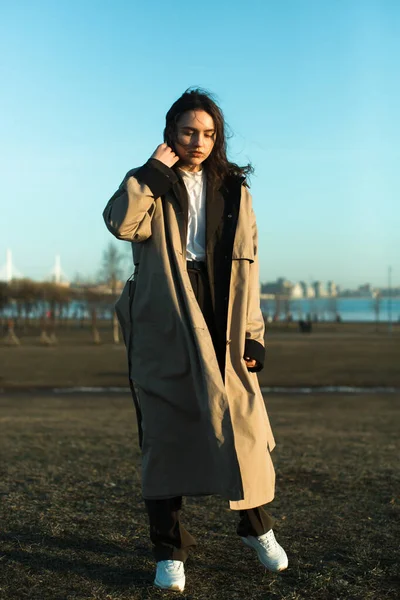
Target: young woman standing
[195,335]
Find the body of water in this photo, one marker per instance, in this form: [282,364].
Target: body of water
[325,309]
[349,309]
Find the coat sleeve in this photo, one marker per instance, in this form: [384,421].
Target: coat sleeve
[254,344]
[129,212]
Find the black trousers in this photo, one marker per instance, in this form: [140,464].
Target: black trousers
[170,539]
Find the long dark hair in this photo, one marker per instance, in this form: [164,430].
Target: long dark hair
[217,164]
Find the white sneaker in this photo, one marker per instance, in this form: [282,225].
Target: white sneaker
[270,553]
[170,575]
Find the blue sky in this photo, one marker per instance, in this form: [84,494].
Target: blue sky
[310,89]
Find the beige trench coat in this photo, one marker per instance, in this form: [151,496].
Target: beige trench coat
[202,434]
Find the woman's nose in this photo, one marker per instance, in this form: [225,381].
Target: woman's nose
[198,140]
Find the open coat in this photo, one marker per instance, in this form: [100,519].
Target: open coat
[204,424]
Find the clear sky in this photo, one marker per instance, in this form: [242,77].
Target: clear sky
[310,89]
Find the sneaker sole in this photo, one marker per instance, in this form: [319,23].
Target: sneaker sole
[272,569]
[175,587]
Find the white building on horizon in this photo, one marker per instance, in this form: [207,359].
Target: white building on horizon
[319,289]
[332,288]
[297,291]
[308,290]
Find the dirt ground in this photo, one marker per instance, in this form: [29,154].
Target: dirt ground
[73,526]
[334,354]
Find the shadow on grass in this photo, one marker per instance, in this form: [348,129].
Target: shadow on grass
[29,537]
[98,568]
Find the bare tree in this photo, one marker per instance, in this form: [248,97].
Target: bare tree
[93,298]
[4,296]
[288,308]
[278,304]
[26,295]
[111,272]
[56,296]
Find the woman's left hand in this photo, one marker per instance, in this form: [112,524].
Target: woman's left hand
[250,362]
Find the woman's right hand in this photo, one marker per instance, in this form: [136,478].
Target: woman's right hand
[166,155]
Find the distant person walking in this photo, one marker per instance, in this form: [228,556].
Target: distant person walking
[195,335]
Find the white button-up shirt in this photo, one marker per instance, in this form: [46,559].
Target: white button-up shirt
[195,184]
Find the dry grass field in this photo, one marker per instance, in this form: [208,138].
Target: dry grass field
[334,354]
[73,527]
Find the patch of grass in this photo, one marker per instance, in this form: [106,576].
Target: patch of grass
[73,524]
[334,354]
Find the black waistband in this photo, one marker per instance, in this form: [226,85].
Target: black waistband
[195,265]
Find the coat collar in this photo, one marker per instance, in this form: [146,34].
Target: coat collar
[218,204]
[180,192]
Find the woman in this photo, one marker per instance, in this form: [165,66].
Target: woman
[195,335]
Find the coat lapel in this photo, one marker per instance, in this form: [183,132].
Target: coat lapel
[215,203]
[214,215]
[180,192]
[181,195]
[222,217]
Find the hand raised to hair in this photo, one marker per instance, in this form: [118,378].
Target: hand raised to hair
[166,155]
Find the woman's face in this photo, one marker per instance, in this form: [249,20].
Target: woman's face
[195,138]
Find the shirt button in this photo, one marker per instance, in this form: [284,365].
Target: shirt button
[229,216]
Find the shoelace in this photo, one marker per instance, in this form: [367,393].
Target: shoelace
[268,541]
[172,565]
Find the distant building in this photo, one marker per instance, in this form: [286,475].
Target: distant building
[332,288]
[269,288]
[280,287]
[297,291]
[319,289]
[390,293]
[365,290]
[308,290]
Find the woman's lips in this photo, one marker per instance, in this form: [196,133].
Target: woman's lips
[196,154]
